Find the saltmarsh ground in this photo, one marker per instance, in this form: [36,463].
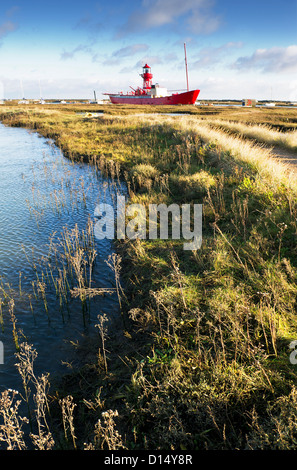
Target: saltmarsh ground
[199,358]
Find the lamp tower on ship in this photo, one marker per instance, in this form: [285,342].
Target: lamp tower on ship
[147,78]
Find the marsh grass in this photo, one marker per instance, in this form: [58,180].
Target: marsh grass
[69,265]
[212,327]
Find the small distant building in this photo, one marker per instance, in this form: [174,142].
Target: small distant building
[249,103]
[2,102]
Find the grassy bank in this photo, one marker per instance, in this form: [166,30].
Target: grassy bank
[200,356]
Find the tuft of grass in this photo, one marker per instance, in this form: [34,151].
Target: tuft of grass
[193,186]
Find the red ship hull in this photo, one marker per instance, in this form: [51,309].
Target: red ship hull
[189,97]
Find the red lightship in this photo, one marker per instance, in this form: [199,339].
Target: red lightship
[154,94]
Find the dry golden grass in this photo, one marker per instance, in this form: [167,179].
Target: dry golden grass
[260,133]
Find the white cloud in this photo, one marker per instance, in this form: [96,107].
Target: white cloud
[7,27]
[150,60]
[275,59]
[84,48]
[130,50]
[12,11]
[202,22]
[157,13]
[209,57]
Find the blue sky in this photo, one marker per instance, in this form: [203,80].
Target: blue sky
[67,49]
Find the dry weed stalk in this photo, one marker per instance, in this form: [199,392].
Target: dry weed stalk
[103,335]
[177,274]
[240,210]
[68,406]
[11,430]
[43,440]
[14,321]
[27,355]
[97,403]
[114,262]
[1,314]
[41,287]
[91,259]
[91,292]
[106,435]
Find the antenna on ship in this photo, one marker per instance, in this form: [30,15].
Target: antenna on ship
[186,66]
[22,89]
[40,94]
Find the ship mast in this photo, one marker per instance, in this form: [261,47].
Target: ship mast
[186,67]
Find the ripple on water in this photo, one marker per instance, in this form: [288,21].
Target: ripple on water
[41,193]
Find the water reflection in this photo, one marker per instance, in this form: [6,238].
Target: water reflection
[44,197]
